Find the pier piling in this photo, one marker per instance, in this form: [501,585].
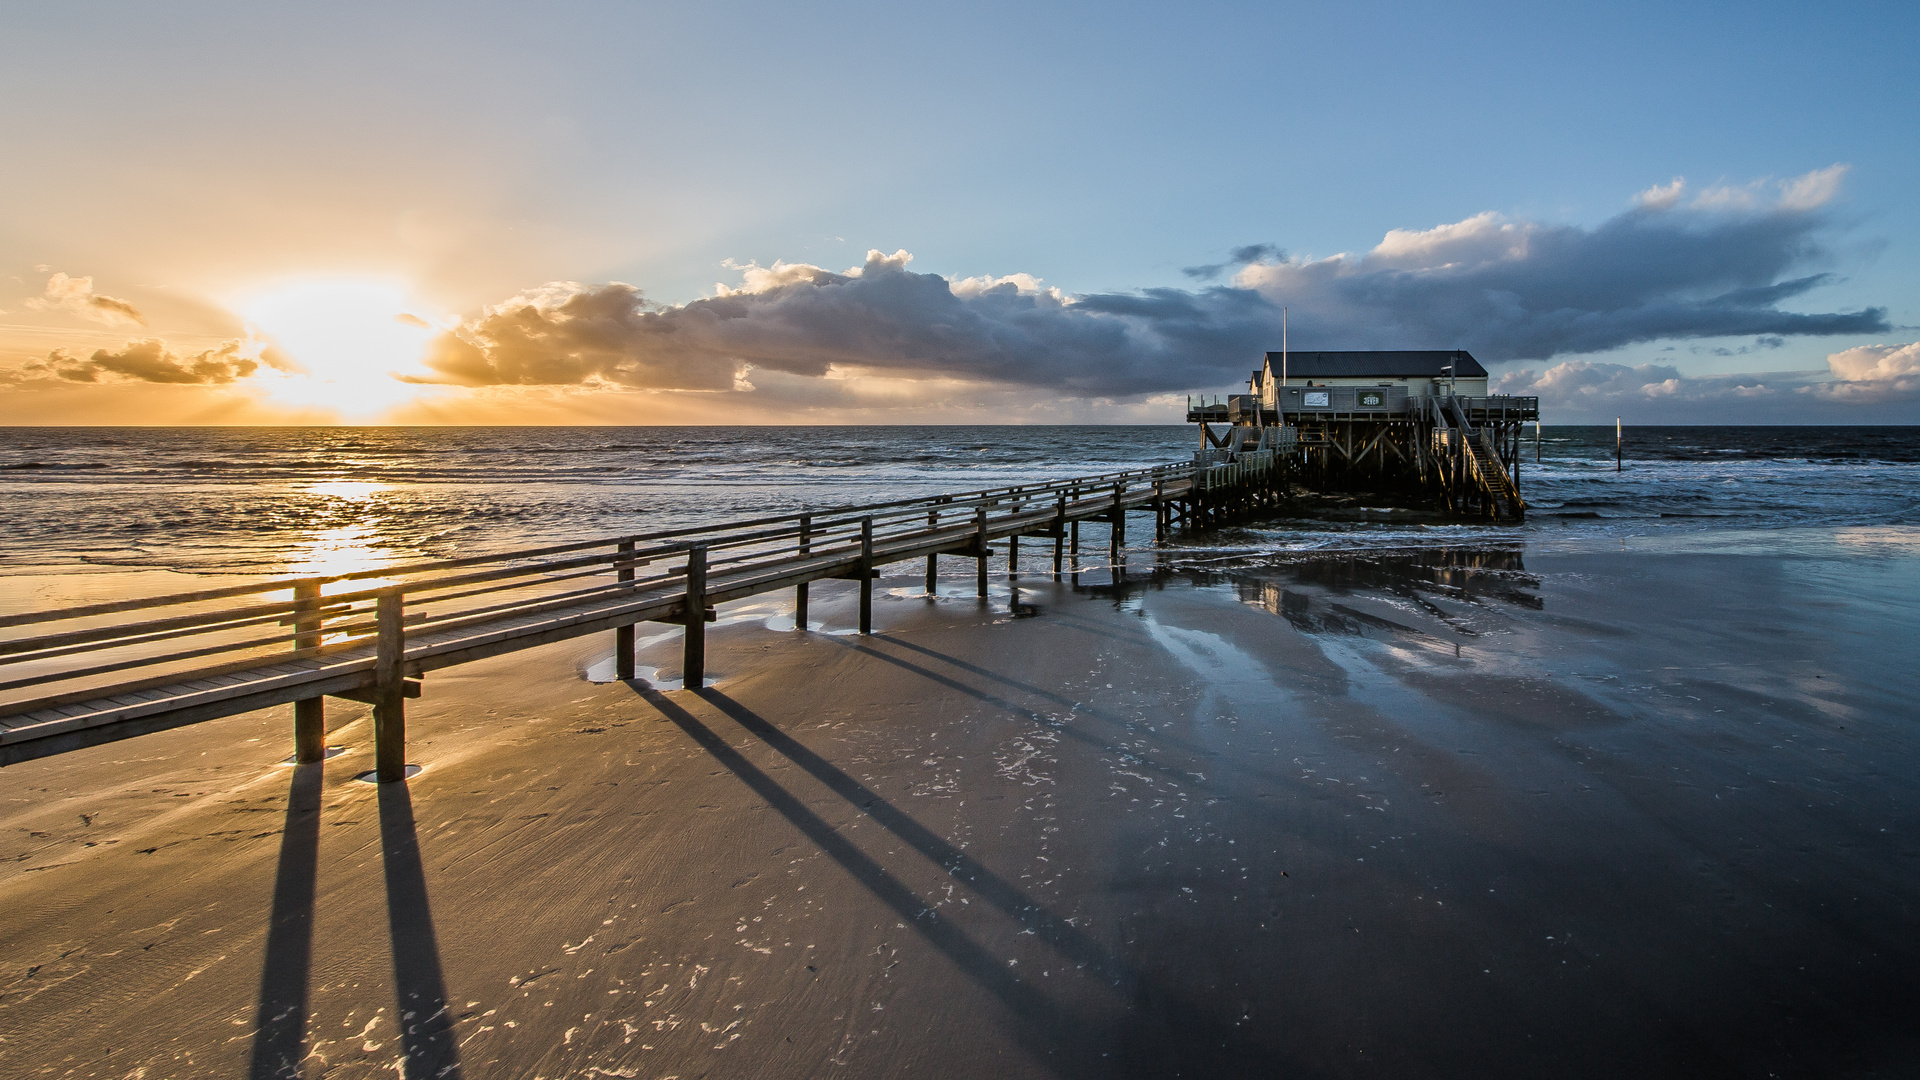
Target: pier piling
[694,658]
[623,636]
[1059,534]
[933,561]
[980,551]
[389,681]
[309,714]
[866,575]
[800,590]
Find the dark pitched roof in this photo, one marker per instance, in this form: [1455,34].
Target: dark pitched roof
[1379,364]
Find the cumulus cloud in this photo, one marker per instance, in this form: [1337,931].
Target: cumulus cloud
[877,318]
[1675,265]
[1876,362]
[151,361]
[1874,374]
[76,296]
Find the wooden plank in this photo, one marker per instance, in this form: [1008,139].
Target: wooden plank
[102,714]
[17,746]
[430,656]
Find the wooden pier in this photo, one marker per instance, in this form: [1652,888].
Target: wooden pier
[82,676]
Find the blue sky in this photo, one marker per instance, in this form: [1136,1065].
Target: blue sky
[184,157]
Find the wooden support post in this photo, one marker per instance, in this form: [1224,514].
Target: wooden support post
[1117,536]
[1013,553]
[933,561]
[623,636]
[1159,512]
[309,714]
[389,688]
[1073,543]
[866,574]
[980,551]
[1059,534]
[800,590]
[1513,450]
[694,663]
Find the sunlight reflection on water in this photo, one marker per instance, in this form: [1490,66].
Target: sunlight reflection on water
[346,550]
[357,490]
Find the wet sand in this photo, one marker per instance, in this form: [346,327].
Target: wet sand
[1597,815]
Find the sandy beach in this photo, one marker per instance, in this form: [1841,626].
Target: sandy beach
[1423,814]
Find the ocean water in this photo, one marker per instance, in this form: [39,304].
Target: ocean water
[324,500]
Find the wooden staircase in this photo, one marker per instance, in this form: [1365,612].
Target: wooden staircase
[1471,473]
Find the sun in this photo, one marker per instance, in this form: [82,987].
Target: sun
[350,335]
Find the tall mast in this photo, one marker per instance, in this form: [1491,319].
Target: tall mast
[1283,346]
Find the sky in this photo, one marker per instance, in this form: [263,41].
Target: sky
[628,213]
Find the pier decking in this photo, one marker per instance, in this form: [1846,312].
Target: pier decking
[83,676]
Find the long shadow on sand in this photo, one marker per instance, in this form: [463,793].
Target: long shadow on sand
[425,1019]
[280,1013]
[1072,1042]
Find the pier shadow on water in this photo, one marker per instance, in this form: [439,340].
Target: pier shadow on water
[281,1010]
[1149,1030]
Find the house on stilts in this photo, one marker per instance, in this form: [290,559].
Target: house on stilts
[1378,421]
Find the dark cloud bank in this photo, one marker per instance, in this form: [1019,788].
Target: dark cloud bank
[1677,265]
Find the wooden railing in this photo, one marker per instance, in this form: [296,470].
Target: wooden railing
[82,675]
[1247,467]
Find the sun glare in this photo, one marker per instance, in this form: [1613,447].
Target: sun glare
[350,335]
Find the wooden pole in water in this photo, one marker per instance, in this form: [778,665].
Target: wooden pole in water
[389,689]
[1536,442]
[1013,552]
[623,636]
[693,674]
[866,574]
[309,714]
[980,551]
[800,590]
[1616,444]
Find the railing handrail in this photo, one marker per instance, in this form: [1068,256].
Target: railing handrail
[686,537]
[500,587]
